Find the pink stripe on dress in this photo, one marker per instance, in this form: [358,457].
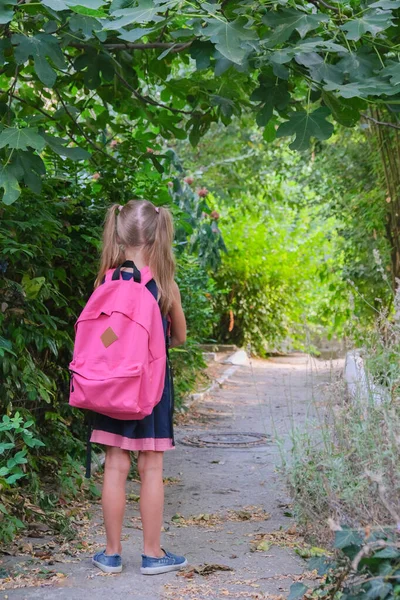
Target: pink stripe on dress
[119,441]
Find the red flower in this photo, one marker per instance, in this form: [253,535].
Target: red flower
[96,176]
[202,192]
[149,150]
[214,215]
[189,180]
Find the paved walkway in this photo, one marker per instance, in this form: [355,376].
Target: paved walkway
[217,499]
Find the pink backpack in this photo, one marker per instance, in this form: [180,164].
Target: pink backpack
[119,361]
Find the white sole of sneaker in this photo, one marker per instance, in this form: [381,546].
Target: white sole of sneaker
[165,569]
[106,569]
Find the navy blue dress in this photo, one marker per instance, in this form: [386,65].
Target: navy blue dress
[154,432]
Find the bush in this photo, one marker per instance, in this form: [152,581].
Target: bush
[276,280]
[366,566]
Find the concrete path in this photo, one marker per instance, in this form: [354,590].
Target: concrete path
[219,502]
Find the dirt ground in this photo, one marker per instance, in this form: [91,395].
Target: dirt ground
[227,508]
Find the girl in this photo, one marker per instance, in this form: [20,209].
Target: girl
[142,233]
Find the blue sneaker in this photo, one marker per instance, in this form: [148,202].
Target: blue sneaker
[108,563]
[168,562]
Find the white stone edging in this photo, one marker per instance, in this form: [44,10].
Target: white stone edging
[359,384]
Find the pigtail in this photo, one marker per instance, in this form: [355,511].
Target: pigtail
[161,258]
[111,255]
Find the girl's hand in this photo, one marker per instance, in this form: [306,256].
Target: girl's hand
[178,321]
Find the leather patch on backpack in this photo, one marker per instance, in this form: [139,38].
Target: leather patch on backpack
[108,337]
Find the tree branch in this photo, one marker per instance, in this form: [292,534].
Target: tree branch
[147,100]
[382,123]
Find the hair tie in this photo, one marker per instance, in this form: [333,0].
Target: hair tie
[157,209]
[120,207]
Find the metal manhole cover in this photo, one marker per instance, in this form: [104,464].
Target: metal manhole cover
[230,439]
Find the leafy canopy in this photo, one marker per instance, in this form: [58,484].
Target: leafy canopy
[76,74]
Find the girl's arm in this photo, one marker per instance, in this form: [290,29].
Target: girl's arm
[178,321]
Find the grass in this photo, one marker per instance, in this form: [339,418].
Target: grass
[345,464]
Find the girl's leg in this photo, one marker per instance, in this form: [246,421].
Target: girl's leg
[118,463]
[150,467]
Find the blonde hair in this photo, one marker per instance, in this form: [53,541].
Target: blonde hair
[140,224]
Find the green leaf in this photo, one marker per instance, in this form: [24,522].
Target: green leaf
[378,589]
[226,105]
[57,145]
[41,47]
[56,5]
[297,591]
[389,552]
[288,20]
[144,12]
[273,93]
[359,64]
[21,139]
[229,37]
[264,115]
[44,71]
[10,186]
[323,71]
[135,34]
[305,125]
[344,111]
[386,4]
[347,537]
[92,4]
[392,70]
[370,87]
[33,286]
[6,344]
[6,14]
[84,24]
[269,133]
[14,477]
[309,45]
[32,168]
[371,22]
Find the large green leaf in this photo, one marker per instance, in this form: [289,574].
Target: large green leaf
[359,64]
[392,70]
[144,12]
[93,4]
[385,4]
[288,20]
[6,11]
[21,139]
[378,589]
[87,25]
[323,71]
[10,186]
[371,22]
[230,37]
[297,591]
[347,537]
[370,87]
[41,47]
[305,125]
[345,112]
[58,146]
[32,169]
[307,46]
[95,65]
[135,34]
